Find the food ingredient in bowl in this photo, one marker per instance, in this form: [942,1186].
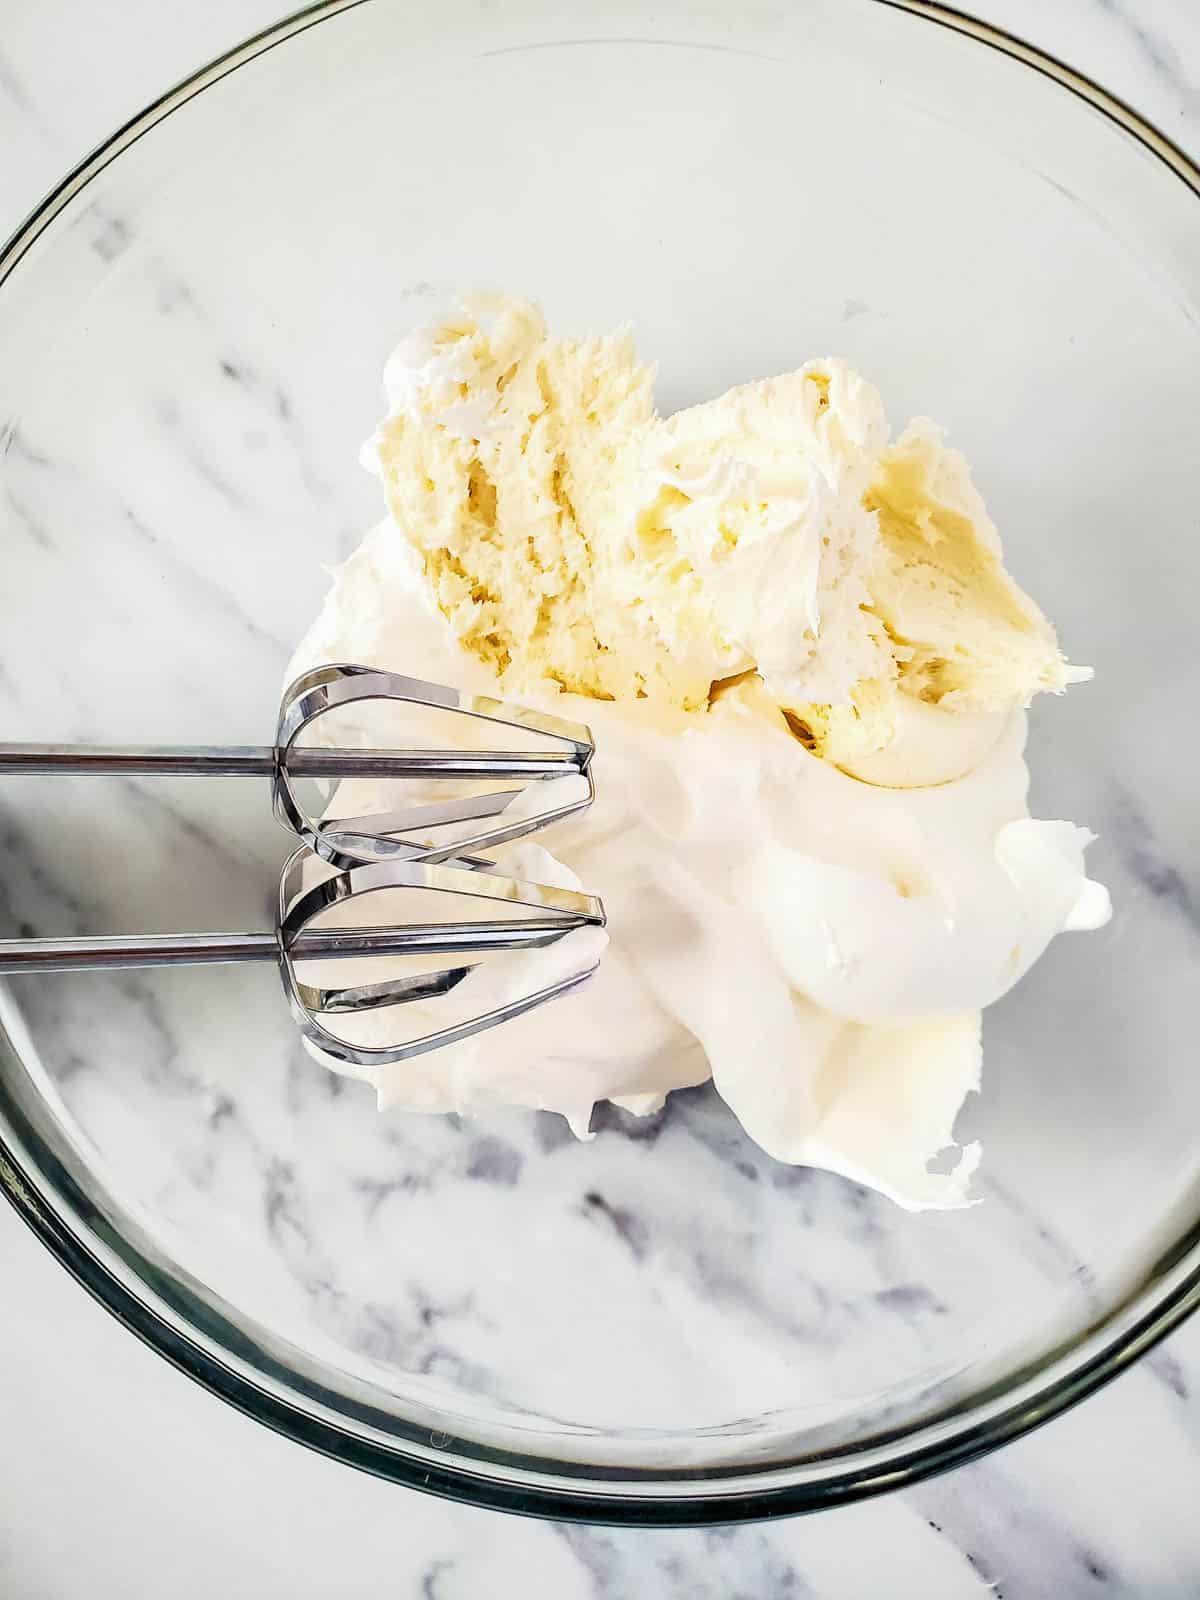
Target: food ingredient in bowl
[805,667]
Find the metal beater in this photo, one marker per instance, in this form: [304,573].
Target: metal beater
[344,858]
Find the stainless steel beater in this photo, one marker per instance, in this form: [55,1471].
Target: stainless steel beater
[349,841]
[343,859]
[546,915]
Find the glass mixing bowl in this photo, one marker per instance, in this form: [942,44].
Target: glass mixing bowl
[660,1325]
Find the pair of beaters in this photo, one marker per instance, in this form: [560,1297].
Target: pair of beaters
[427,854]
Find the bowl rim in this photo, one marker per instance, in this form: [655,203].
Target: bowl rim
[36,1177]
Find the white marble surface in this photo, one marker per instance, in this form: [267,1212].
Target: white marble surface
[122,1478]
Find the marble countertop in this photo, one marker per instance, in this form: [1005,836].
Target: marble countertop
[121,1478]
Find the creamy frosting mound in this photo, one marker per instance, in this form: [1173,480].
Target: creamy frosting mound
[574,539]
[805,668]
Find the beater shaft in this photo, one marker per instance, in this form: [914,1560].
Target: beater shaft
[261,761]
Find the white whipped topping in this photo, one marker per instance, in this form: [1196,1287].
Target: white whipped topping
[819,946]
[819,933]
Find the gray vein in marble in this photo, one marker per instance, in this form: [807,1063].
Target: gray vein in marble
[720,1135]
[1167,1370]
[1056,1248]
[68,1065]
[860,1215]
[431,1581]
[910,1300]
[407,1338]
[280,1203]
[376,1190]
[25,865]
[1158,51]
[220,850]
[1142,853]
[494,1160]
[216,593]
[168,415]
[627,1226]
[30,524]
[18,444]
[717,1268]
[1014,1545]
[161,1063]
[273,397]
[222,1116]
[223,1110]
[173,293]
[710,1564]
[304,1088]
[724,1281]
[112,238]
[379,1334]
[16,93]
[268,394]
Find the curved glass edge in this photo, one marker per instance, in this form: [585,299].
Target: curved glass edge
[170,100]
[682,1501]
[1100,1363]
[1049,66]
[1077,83]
